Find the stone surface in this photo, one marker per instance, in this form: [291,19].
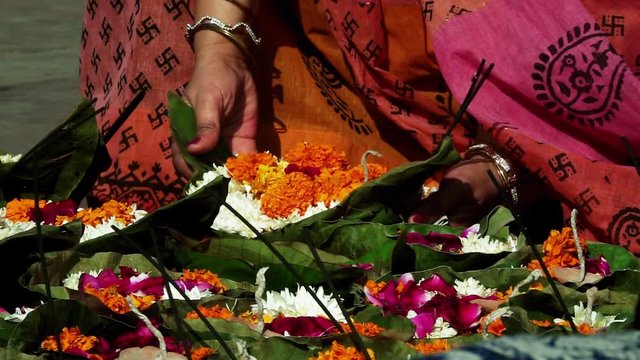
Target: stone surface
[39,87]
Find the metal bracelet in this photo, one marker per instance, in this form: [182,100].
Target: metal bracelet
[504,168]
[240,30]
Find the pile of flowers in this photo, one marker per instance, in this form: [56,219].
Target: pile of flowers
[272,192]
[437,309]
[469,241]
[113,289]
[563,258]
[19,215]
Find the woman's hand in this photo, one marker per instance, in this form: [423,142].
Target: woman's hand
[465,195]
[223,95]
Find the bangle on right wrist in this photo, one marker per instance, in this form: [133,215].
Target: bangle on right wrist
[240,34]
[505,170]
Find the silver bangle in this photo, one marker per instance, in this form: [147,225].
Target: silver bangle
[504,168]
[241,29]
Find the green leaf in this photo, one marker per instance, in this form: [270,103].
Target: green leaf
[285,349]
[618,257]
[61,162]
[227,268]
[192,216]
[184,129]
[495,224]
[397,327]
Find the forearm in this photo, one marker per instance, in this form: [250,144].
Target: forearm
[227,11]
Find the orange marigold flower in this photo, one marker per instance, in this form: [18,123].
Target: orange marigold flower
[432,347]
[334,185]
[340,352]
[110,297]
[560,250]
[584,328]
[316,156]
[244,166]
[367,329]
[203,275]
[70,339]
[375,171]
[202,353]
[536,286]
[265,177]
[93,217]
[504,296]
[294,191]
[213,312]
[543,323]
[375,287]
[497,327]
[18,209]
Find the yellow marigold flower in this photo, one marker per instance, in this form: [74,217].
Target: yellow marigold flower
[265,176]
[70,339]
[202,353]
[212,312]
[316,156]
[244,166]
[294,191]
[203,275]
[18,209]
[367,329]
[340,352]
[431,347]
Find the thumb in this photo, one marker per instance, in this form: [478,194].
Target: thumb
[208,122]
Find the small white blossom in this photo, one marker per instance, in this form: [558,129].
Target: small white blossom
[19,314]
[442,330]
[585,315]
[299,304]
[207,177]
[92,232]
[473,243]
[471,286]
[194,294]
[8,158]
[72,281]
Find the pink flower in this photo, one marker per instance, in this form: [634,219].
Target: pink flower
[599,265]
[51,210]
[141,337]
[301,326]
[424,323]
[434,240]
[398,297]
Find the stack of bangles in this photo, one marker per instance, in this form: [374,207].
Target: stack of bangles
[240,34]
[503,167]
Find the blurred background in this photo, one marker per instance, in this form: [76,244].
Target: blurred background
[39,85]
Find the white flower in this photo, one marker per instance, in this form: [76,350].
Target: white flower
[299,304]
[207,177]
[194,294]
[72,281]
[585,315]
[473,243]
[442,330]
[8,158]
[471,286]
[18,315]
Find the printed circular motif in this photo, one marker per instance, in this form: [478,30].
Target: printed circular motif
[580,77]
[624,228]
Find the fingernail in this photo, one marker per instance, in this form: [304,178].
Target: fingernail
[195,140]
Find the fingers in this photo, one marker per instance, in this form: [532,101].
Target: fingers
[179,163]
[208,113]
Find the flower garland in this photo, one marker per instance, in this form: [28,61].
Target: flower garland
[272,192]
[19,215]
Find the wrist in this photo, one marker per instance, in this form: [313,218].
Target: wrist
[502,169]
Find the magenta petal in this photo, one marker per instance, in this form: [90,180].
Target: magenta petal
[413,237]
[436,283]
[87,279]
[311,326]
[107,278]
[372,299]
[139,337]
[442,242]
[50,211]
[599,265]
[462,315]
[127,272]
[153,285]
[424,323]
